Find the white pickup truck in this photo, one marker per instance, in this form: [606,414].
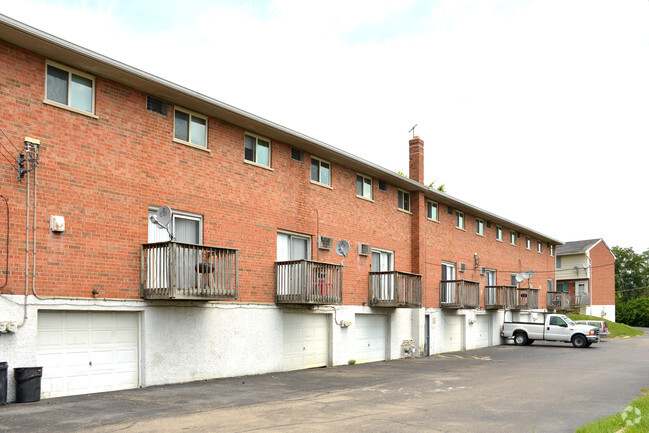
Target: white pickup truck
[556,327]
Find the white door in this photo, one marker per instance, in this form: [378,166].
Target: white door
[448,290]
[306,341]
[85,352]
[370,332]
[482,331]
[382,261]
[453,333]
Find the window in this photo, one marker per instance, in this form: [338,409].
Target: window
[363,186]
[293,247]
[186,228]
[557,321]
[459,219]
[190,128]
[538,247]
[256,149]
[70,88]
[449,290]
[513,281]
[562,287]
[512,237]
[320,171]
[558,262]
[491,277]
[433,211]
[528,243]
[550,285]
[499,233]
[404,201]
[551,248]
[479,227]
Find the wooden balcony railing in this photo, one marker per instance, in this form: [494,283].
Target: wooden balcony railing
[500,297]
[558,301]
[579,301]
[459,294]
[176,270]
[527,299]
[308,282]
[395,289]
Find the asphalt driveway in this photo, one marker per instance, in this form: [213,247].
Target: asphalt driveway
[546,387]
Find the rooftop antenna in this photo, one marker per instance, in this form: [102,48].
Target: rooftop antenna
[413,131]
[342,249]
[162,218]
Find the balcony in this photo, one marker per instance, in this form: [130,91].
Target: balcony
[558,301]
[308,282]
[527,299]
[395,289]
[459,294]
[181,271]
[579,301]
[500,297]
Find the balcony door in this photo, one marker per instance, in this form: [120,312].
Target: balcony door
[492,291]
[293,278]
[448,289]
[383,261]
[292,247]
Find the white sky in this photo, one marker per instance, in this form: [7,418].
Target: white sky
[536,110]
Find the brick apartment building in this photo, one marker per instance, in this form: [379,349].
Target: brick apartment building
[103,299]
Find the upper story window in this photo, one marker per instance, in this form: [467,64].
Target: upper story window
[70,89]
[459,219]
[404,200]
[528,243]
[512,237]
[538,247]
[256,149]
[320,171]
[499,233]
[363,186]
[558,262]
[551,248]
[479,227]
[190,128]
[433,211]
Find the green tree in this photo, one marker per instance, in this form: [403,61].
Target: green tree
[631,270]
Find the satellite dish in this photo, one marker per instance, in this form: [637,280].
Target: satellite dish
[585,265]
[528,274]
[519,278]
[575,268]
[164,215]
[342,248]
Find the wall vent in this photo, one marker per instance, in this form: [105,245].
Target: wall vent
[483,270]
[488,224]
[325,243]
[383,186]
[449,210]
[462,267]
[156,105]
[364,250]
[297,154]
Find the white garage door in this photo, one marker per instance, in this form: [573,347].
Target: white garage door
[306,342]
[370,331]
[453,333]
[482,329]
[84,352]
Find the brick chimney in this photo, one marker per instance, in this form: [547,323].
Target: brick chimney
[416,159]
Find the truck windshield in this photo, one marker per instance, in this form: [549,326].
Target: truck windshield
[568,320]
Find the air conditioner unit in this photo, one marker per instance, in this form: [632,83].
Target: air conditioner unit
[325,243]
[364,250]
[483,270]
[462,267]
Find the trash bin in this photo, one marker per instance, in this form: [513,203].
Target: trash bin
[28,384]
[3,383]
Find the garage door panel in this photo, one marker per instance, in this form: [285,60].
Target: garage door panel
[306,341]
[370,332]
[453,333]
[86,353]
[482,331]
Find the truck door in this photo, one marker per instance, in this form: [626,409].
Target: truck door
[556,329]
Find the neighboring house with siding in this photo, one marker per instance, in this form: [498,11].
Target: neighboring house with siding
[252,283]
[586,272]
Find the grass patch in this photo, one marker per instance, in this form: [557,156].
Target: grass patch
[617,329]
[625,419]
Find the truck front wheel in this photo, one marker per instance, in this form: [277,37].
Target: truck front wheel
[520,339]
[579,341]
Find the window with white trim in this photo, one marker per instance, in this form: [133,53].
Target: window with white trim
[479,227]
[404,200]
[551,248]
[558,259]
[459,219]
[291,246]
[512,237]
[363,186]
[528,243]
[433,211]
[69,88]
[499,233]
[539,248]
[256,149]
[320,171]
[190,128]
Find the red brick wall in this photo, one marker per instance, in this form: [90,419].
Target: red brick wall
[102,175]
[603,275]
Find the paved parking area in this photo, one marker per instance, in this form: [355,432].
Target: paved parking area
[546,387]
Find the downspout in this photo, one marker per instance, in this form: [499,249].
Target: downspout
[26,253]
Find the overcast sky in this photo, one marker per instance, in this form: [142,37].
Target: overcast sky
[535,110]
